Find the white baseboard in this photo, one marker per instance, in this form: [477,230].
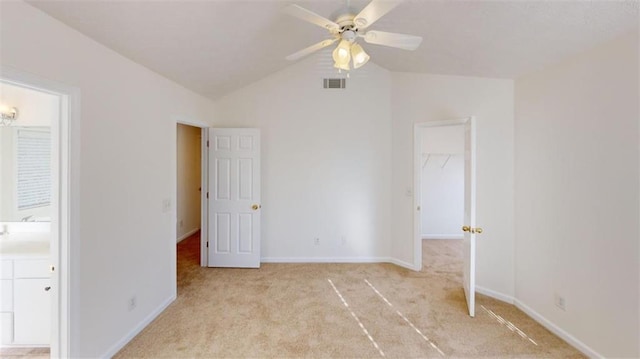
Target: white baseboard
[442,236]
[495,295]
[586,350]
[324,260]
[338,260]
[138,328]
[403,264]
[187,235]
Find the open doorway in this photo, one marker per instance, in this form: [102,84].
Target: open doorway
[445,188]
[38,213]
[442,198]
[440,186]
[442,182]
[188,196]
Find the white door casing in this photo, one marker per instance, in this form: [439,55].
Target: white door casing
[65,228]
[469,242]
[234,197]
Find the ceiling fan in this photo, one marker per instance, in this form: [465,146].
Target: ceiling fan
[348,28]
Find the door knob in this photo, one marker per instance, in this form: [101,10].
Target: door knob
[466,228]
[477,230]
[46,289]
[256,206]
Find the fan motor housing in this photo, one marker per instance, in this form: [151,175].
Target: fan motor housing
[345,21]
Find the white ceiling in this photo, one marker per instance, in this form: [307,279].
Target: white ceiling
[215,47]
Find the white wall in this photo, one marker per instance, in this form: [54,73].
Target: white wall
[188,192]
[577,196]
[442,182]
[127,154]
[325,160]
[421,98]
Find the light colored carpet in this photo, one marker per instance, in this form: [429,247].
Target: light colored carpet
[293,311]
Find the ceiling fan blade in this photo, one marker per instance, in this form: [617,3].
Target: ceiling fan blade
[374,11]
[313,48]
[401,41]
[310,16]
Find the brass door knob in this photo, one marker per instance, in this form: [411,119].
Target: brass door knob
[466,228]
[255,207]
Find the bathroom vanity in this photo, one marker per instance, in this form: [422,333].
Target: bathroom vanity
[25,301]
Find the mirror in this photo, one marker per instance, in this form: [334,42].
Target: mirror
[25,174]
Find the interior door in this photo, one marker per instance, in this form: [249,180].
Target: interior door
[469,242]
[234,197]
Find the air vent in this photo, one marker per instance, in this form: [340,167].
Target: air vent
[335,83]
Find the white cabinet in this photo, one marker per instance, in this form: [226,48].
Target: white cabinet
[6,302]
[6,328]
[31,311]
[25,302]
[6,295]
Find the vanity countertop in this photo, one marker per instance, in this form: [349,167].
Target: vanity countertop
[24,245]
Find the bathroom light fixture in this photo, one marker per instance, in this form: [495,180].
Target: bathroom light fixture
[8,115]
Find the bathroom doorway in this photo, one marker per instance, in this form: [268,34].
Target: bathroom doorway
[36,213]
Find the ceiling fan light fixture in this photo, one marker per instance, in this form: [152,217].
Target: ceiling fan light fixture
[342,55]
[359,56]
[347,28]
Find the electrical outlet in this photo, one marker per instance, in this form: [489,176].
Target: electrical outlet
[132,303]
[560,302]
[316,241]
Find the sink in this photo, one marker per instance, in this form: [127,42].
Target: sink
[25,236]
[24,245]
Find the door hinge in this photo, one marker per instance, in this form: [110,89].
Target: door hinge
[207,195]
[207,143]
[207,244]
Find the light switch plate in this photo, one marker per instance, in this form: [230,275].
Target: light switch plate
[166,205]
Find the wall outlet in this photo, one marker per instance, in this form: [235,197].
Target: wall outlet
[132,303]
[560,302]
[316,241]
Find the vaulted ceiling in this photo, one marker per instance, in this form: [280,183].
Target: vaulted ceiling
[215,47]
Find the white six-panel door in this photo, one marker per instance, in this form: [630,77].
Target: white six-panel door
[234,198]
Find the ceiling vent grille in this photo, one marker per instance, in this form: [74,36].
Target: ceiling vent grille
[335,83]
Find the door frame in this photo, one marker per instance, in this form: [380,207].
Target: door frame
[417,181]
[203,126]
[65,224]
